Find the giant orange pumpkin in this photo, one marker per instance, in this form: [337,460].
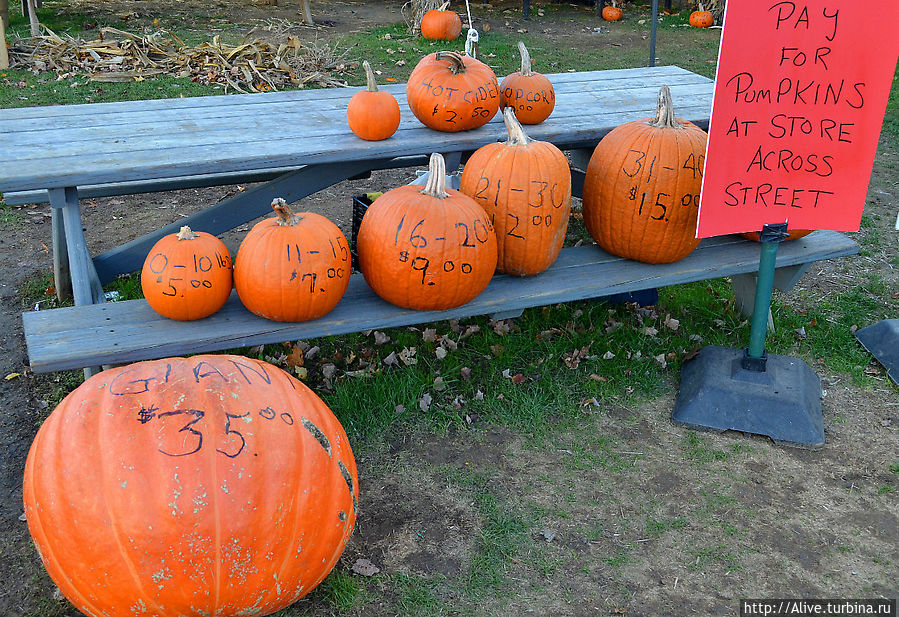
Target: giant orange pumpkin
[641,191]
[451,92]
[373,114]
[428,248]
[530,94]
[294,267]
[440,24]
[525,188]
[187,275]
[211,485]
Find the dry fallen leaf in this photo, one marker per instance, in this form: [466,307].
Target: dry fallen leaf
[407,355]
[429,335]
[312,352]
[13,376]
[650,331]
[301,372]
[391,360]
[440,352]
[518,379]
[295,358]
[381,338]
[425,402]
[328,370]
[596,377]
[671,323]
[661,360]
[608,355]
[465,373]
[496,350]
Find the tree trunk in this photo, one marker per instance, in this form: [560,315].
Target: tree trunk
[4,12]
[4,56]
[32,18]
[306,10]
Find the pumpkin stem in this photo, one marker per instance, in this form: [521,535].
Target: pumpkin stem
[700,8]
[665,113]
[187,234]
[436,186]
[525,60]
[370,77]
[443,6]
[457,66]
[517,136]
[286,217]
[614,4]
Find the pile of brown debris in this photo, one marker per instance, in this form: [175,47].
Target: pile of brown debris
[250,66]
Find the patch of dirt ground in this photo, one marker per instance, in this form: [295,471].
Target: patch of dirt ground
[623,514]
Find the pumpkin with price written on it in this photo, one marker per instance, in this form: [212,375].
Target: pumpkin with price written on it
[525,188]
[294,267]
[426,249]
[641,190]
[187,275]
[701,18]
[211,485]
[530,94]
[450,92]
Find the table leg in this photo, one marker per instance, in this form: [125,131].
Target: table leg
[71,255]
[86,287]
[61,279]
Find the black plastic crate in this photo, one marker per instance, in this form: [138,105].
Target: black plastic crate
[360,205]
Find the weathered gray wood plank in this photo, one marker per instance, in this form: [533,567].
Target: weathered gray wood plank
[158,161]
[295,121]
[89,109]
[246,116]
[130,331]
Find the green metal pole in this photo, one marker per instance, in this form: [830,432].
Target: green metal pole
[763,290]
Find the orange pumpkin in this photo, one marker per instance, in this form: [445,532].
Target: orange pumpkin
[187,275]
[525,188]
[792,234]
[294,267]
[450,92]
[441,25]
[701,18]
[426,249]
[211,485]
[373,114]
[641,191]
[530,94]
[612,13]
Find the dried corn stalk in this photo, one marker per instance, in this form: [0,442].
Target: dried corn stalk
[414,10]
[251,66]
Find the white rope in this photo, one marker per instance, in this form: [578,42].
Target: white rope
[471,41]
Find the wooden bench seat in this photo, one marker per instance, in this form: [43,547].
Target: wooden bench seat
[122,332]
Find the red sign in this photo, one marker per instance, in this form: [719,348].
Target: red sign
[800,94]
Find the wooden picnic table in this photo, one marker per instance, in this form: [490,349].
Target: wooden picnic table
[299,143]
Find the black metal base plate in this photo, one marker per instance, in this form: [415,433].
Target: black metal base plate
[882,340]
[782,402]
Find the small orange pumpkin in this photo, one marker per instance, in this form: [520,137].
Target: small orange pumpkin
[612,12]
[450,92]
[187,275]
[701,18]
[792,234]
[525,188]
[530,94]
[294,267]
[441,25]
[210,485]
[373,114]
[426,249]
[641,190]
